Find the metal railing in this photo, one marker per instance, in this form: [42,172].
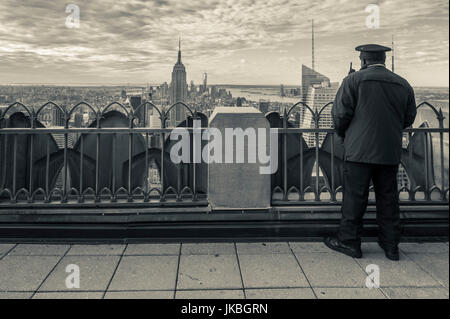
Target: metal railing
[110,161]
[312,174]
[108,165]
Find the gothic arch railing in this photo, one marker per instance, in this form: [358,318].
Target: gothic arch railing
[108,162]
[313,174]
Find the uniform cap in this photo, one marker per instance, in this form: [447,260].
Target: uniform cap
[372,48]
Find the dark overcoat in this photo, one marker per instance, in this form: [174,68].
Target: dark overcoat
[370,111]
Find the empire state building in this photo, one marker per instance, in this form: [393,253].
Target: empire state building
[178,90]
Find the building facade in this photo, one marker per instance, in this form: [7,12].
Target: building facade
[310,78]
[316,91]
[316,98]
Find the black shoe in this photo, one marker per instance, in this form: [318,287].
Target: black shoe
[335,244]
[391,252]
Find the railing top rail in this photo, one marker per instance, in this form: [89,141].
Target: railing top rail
[100,130]
[294,130]
[109,130]
[163,113]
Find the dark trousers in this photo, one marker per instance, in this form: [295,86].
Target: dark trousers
[357,178]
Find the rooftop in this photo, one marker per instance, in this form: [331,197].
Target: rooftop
[280,270]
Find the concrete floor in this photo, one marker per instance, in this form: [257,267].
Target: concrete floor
[288,270]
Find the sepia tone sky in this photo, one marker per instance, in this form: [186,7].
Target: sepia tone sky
[234,41]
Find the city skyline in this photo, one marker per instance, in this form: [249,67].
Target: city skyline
[230,41]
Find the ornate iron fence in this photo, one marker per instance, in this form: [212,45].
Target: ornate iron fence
[313,173]
[109,162]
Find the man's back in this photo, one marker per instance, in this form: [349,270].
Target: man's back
[371,109]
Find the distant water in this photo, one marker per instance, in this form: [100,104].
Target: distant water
[256,94]
[272,94]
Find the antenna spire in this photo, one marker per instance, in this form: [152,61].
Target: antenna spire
[312,34]
[393,54]
[179,49]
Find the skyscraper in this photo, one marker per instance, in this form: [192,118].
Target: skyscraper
[57,117]
[318,95]
[135,102]
[213,91]
[310,78]
[178,90]
[192,89]
[316,91]
[164,88]
[205,82]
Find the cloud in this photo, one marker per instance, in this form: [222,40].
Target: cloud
[136,40]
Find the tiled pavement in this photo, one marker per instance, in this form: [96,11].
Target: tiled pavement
[220,270]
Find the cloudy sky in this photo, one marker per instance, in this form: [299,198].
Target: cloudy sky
[234,41]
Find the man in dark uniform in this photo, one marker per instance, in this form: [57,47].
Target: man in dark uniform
[371,109]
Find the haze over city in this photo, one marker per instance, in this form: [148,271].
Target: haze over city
[235,42]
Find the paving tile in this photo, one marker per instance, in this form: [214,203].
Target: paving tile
[416,293]
[4,248]
[271,271]
[152,249]
[39,250]
[209,271]
[424,247]
[435,264]
[145,273]
[208,249]
[95,273]
[139,295]
[319,247]
[280,293]
[299,247]
[348,293]
[331,270]
[371,248]
[398,273]
[262,248]
[100,250]
[16,295]
[210,294]
[68,295]
[25,273]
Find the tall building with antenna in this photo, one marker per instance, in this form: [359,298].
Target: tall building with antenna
[309,75]
[316,91]
[178,90]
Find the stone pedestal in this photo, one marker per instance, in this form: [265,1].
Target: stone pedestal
[238,185]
